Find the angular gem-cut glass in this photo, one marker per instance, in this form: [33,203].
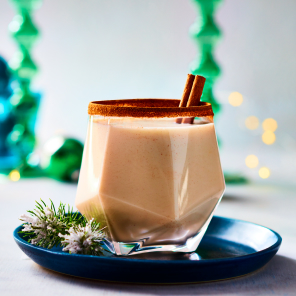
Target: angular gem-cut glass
[153,182]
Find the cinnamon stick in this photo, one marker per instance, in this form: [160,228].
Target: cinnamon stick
[186,93]
[195,95]
[187,90]
[196,91]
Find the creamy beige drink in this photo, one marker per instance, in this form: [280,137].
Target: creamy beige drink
[153,181]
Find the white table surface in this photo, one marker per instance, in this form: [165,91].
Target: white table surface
[266,204]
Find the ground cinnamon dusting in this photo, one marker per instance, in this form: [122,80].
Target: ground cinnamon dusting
[148,108]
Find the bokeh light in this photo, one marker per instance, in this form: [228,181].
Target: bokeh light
[235,99]
[14,175]
[251,161]
[264,172]
[269,124]
[252,122]
[268,138]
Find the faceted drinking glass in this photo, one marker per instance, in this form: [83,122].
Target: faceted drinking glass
[152,179]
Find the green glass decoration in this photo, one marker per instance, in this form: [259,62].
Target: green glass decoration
[206,33]
[23,101]
[61,158]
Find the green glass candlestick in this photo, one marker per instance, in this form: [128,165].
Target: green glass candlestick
[24,102]
[206,33]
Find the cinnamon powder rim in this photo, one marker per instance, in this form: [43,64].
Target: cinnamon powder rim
[148,108]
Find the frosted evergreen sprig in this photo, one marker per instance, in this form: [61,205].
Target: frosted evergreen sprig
[47,227]
[84,239]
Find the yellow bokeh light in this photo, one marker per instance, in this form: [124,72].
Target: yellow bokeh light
[252,122]
[268,138]
[264,173]
[251,161]
[235,99]
[14,175]
[269,124]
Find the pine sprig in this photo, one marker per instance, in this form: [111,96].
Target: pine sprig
[86,238]
[48,227]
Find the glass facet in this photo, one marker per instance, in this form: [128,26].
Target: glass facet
[154,183]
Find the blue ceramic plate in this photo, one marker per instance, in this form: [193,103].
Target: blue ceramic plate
[230,248]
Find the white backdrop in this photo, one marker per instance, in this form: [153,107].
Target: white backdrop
[99,49]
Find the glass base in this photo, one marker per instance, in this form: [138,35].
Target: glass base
[142,246]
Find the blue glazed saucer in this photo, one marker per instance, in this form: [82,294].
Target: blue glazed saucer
[230,248]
